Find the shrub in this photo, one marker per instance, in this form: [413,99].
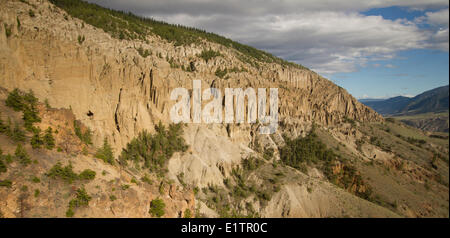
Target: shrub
[157,208]
[3,127]
[3,167]
[66,173]
[209,54]
[21,155]
[47,104]
[144,53]
[105,153]
[251,163]
[187,213]
[112,198]
[36,179]
[37,192]
[268,154]
[5,183]
[87,174]
[196,190]
[31,13]
[146,179]
[85,137]
[70,212]
[221,73]
[81,200]
[154,150]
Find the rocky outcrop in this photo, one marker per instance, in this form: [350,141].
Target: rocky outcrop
[117,93]
[104,83]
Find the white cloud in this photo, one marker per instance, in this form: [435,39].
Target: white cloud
[328,36]
[328,42]
[438,18]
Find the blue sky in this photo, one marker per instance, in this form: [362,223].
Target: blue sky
[374,49]
[410,73]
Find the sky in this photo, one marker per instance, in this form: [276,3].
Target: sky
[372,48]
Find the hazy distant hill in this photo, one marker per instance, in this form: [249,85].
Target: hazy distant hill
[435,100]
[427,111]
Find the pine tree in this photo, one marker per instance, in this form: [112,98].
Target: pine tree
[49,140]
[36,141]
[22,156]
[105,153]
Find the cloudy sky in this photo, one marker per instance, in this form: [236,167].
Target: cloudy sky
[373,48]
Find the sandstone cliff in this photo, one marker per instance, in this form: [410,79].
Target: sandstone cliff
[117,92]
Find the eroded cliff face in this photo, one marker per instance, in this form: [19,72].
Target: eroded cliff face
[117,93]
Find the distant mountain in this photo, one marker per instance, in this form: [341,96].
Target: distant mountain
[435,100]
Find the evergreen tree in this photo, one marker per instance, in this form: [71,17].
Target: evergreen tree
[21,155]
[49,140]
[105,153]
[36,140]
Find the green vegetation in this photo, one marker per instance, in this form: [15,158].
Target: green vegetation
[85,137]
[112,198]
[81,39]
[221,73]
[172,63]
[87,174]
[31,13]
[5,183]
[144,53]
[3,127]
[105,153]
[146,179]
[22,156]
[154,150]
[3,162]
[81,200]
[27,103]
[49,140]
[14,133]
[187,213]
[209,54]
[268,154]
[36,140]
[3,167]
[127,26]
[350,121]
[310,150]
[67,174]
[157,207]
[35,179]
[180,178]
[305,150]
[37,192]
